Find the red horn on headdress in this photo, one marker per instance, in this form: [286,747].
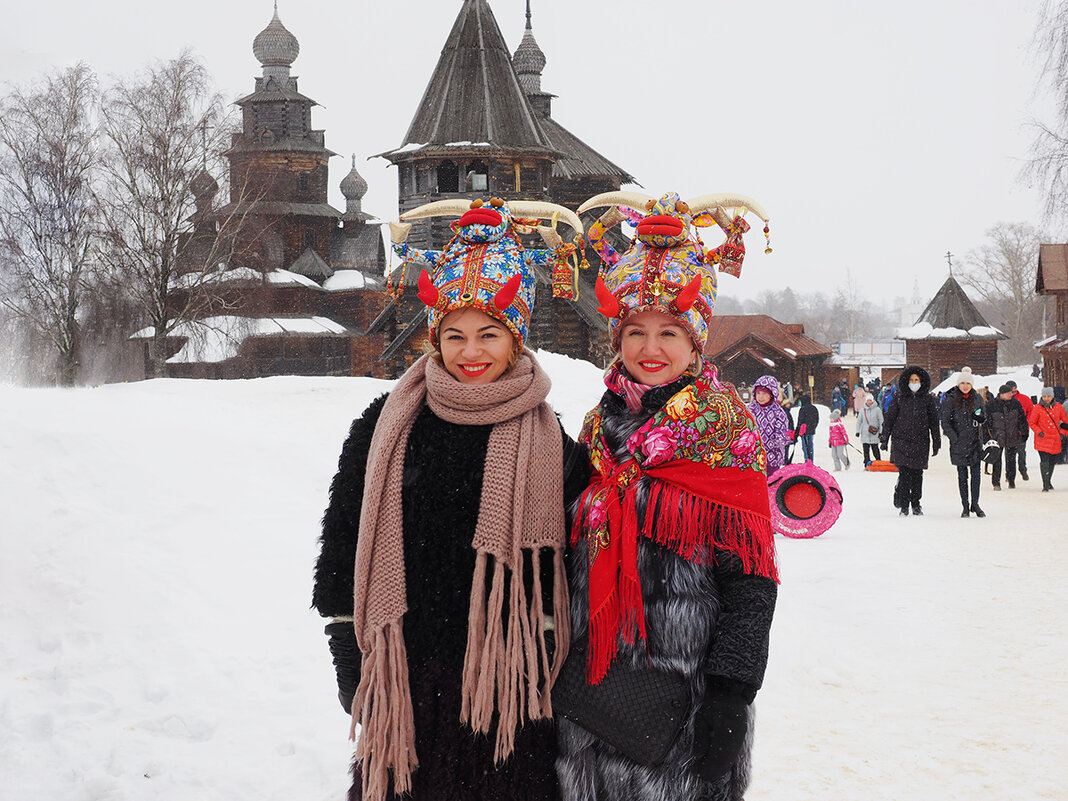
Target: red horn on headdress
[428,293]
[506,294]
[688,295]
[609,302]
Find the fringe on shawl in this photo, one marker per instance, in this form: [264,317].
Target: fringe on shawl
[673,516]
[387,741]
[691,526]
[507,668]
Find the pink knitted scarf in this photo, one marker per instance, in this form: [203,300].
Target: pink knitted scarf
[506,665]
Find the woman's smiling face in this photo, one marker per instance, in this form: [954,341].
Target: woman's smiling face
[475,348]
[655,348]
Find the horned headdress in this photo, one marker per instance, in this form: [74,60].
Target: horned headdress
[666,266]
[485,265]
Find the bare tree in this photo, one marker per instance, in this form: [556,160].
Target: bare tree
[1002,273]
[166,131]
[1049,158]
[48,209]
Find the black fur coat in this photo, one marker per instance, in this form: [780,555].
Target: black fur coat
[442,482]
[709,622]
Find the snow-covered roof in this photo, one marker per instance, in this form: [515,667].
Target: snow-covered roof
[216,339]
[1025,382]
[349,279]
[275,277]
[927,331]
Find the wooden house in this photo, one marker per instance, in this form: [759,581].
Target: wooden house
[1052,279]
[951,333]
[746,346]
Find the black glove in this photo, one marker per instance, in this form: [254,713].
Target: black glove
[347,660]
[884,444]
[720,728]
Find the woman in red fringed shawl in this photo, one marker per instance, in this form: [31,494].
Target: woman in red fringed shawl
[673,559]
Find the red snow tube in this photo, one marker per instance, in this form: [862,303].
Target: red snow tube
[805,500]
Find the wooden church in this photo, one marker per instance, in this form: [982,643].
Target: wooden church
[303,280]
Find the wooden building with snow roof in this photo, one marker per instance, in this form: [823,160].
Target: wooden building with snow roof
[949,334]
[746,346]
[484,128]
[1052,279]
[303,281]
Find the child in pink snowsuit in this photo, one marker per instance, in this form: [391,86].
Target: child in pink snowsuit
[839,441]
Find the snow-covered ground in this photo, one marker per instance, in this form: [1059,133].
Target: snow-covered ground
[156,640]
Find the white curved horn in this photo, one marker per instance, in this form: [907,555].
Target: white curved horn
[632,200]
[545,210]
[439,208]
[727,199]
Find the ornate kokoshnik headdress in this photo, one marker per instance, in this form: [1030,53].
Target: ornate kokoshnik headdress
[666,266]
[485,265]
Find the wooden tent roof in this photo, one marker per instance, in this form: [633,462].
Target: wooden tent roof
[576,159]
[474,95]
[951,308]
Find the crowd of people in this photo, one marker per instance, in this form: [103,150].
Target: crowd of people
[908,422]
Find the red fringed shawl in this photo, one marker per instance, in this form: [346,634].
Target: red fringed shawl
[709,493]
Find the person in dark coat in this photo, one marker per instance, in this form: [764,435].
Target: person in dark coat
[837,402]
[673,566]
[910,430]
[808,420]
[963,419]
[1026,403]
[1008,426]
[446,517]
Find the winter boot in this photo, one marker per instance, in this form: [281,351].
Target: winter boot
[966,511]
[904,510]
[1023,473]
[997,487]
[978,512]
[916,508]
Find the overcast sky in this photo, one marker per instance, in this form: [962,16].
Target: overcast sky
[877,136]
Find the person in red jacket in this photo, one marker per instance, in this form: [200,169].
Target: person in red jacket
[1048,420]
[1026,405]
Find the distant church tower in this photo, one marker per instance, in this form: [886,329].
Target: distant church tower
[579,172]
[279,163]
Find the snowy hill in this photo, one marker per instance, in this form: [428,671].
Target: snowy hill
[156,640]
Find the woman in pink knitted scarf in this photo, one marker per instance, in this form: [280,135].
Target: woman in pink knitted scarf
[441,560]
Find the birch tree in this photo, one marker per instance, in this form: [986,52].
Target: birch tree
[166,131]
[49,157]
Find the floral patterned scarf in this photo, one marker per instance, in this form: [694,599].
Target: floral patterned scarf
[708,493]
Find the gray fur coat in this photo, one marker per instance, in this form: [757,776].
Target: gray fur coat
[709,622]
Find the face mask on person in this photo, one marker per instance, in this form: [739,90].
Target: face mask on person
[915,386]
